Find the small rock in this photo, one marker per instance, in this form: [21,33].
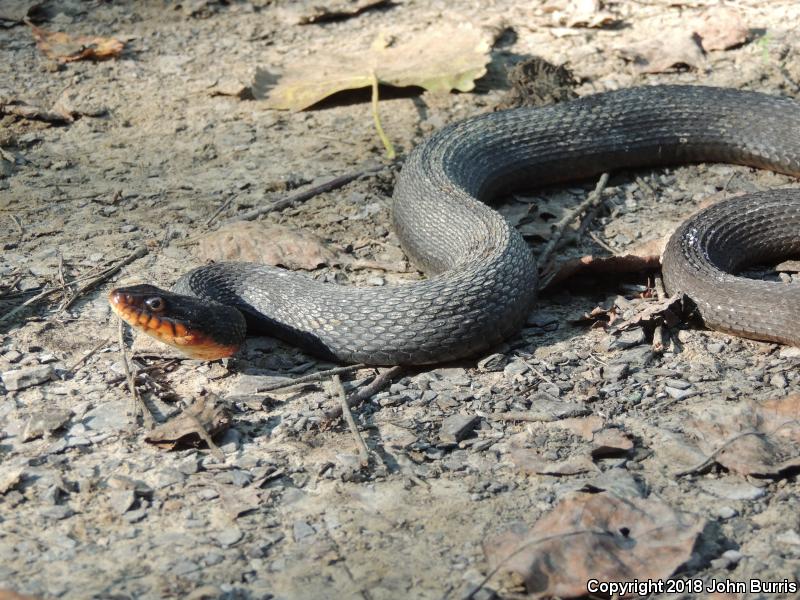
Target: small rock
[615,371]
[678,394]
[515,369]
[789,352]
[229,537]
[121,500]
[56,513]
[717,347]
[22,378]
[778,380]
[108,416]
[46,421]
[456,427]
[790,537]
[732,490]
[494,362]
[628,339]
[726,512]
[732,556]
[302,530]
[678,384]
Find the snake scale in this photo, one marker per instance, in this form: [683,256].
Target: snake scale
[481,277]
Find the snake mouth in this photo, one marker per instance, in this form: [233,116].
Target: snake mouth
[149,310]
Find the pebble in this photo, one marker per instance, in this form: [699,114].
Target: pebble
[302,530]
[731,490]
[229,537]
[456,427]
[45,422]
[19,379]
[678,394]
[615,371]
[726,512]
[121,500]
[678,384]
[108,416]
[56,513]
[778,380]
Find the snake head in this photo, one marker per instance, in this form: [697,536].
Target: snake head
[197,327]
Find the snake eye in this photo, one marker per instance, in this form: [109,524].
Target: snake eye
[156,303]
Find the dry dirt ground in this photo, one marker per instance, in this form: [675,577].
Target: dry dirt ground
[89,509]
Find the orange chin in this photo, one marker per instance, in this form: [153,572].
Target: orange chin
[194,344]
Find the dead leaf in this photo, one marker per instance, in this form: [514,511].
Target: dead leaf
[267,244]
[721,28]
[531,461]
[64,48]
[438,60]
[209,412]
[240,501]
[621,264]
[666,52]
[584,427]
[34,113]
[611,441]
[596,536]
[748,437]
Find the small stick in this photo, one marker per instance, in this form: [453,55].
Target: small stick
[225,205]
[129,374]
[601,243]
[74,368]
[377,384]
[298,197]
[319,375]
[363,451]
[387,143]
[561,226]
[135,255]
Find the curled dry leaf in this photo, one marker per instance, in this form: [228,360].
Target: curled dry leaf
[63,47]
[532,462]
[749,438]
[334,11]
[209,413]
[721,28]
[439,60]
[666,52]
[621,264]
[596,536]
[267,244]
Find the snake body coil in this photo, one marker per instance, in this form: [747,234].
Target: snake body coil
[482,279]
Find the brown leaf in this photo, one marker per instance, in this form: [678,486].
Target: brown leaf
[749,438]
[266,244]
[531,461]
[596,536]
[626,263]
[611,441]
[585,427]
[666,52]
[209,412]
[721,28]
[439,60]
[64,48]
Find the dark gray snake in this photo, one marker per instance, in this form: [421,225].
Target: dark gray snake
[482,279]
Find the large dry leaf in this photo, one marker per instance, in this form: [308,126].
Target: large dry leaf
[531,461]
[749,438]
[720,28]
[666,52]
[316,12]
[596,536]
[63,47]
[615,265]
[267,244]
[439,60]
[206,417]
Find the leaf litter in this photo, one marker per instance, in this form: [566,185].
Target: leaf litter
[64,47]
[595,536]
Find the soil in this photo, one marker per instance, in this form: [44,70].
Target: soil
[166,146]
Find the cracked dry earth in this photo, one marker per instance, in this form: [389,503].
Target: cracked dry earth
[89,509]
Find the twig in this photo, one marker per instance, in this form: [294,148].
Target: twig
[601,243]
[319,375]
[76,366]
[225,205]
[558,231]
[387,143]
[367,391]
[131,377]
[711,458]
[298,197]
[363,451]
[135,255]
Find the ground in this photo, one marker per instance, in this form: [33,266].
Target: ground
[159,156]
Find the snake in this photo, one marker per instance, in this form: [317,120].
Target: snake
[481,276]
